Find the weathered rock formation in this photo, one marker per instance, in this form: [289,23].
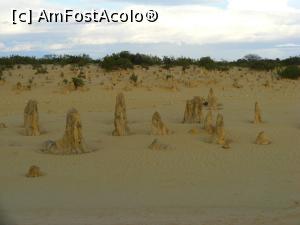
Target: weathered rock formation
[31,119]
[158,126]
[120,121]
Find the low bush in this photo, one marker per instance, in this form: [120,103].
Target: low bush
[115,62]
[65,81]
[41,70]
[133,78]
[290,72]
[78,82]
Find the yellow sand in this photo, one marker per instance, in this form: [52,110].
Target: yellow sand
[124,182]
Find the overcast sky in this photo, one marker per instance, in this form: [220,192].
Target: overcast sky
[222,29]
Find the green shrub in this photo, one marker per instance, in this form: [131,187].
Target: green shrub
[168,62]
[184,68]
[290,72]
[207,63]
[262,65]
[133,78]
[115,62]
[169,76]
[41,70]
[144,66]
[78,82]
[223,68]
[65,81]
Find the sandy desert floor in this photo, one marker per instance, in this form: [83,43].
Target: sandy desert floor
[124,182]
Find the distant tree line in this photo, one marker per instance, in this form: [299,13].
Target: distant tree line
[127,60]
[80,60]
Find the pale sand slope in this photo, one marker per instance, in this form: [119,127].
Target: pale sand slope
[126,183]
